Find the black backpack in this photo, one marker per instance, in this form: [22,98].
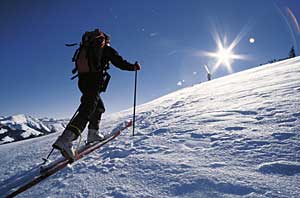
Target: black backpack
[88,57]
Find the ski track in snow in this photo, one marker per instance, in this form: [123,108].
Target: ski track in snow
[236,136]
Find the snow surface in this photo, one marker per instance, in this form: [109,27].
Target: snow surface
[236,136]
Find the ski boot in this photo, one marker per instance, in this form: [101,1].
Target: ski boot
[64,145]
[94,136]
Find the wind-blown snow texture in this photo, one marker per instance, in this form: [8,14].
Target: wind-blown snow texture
[236,136]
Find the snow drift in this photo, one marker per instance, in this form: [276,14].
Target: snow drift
[236,136]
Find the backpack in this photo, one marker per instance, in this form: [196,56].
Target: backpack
[87,57]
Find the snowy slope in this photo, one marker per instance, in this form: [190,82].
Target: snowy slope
[236,136]
[20,127]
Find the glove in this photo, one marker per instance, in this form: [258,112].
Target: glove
[137,66]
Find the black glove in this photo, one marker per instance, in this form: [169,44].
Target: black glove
[137,66]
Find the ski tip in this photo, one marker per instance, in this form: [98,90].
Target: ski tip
[129,123]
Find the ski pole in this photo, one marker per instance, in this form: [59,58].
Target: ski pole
[47,158]
[134,102]
[75,114]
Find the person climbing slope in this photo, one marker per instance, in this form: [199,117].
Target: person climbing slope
[92,61]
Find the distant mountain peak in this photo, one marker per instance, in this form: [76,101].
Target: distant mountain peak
[20,126]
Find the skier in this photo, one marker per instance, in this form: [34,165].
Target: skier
[92,62]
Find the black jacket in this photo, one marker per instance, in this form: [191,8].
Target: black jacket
[111,55]
[94,82]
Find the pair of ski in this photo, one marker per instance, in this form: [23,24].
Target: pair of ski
[38,174]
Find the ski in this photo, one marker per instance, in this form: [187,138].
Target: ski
[40,173]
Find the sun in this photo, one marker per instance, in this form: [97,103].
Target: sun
[224,55]
[252,40]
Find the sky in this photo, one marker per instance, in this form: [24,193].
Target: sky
[171,39]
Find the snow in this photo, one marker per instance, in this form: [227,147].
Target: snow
[20,127]
[28,132]
[236,136]
[280,167]
[22,122]
[54,125]
[3,131]
[7,139]
[18,119]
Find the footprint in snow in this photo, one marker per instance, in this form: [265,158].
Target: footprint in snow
[270,109]
[243,112]
[296,115]
[201,135]
[280,167]
[217,165]
[261,108]
[210,121]
[265,95]
[287,120]
[259,118]
[283,136]
[177,104]
[257,143]
[159,131]
[197,136]
[237,128]
[208,185]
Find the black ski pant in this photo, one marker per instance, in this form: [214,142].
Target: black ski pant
[91,106]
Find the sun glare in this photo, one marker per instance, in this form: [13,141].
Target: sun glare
[224,55]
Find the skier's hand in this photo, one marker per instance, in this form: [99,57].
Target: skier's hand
[137,66]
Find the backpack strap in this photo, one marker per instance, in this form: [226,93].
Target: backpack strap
[75,54]
[75,76]
[71,44]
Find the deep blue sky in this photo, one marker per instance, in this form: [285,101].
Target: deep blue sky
[162,35]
